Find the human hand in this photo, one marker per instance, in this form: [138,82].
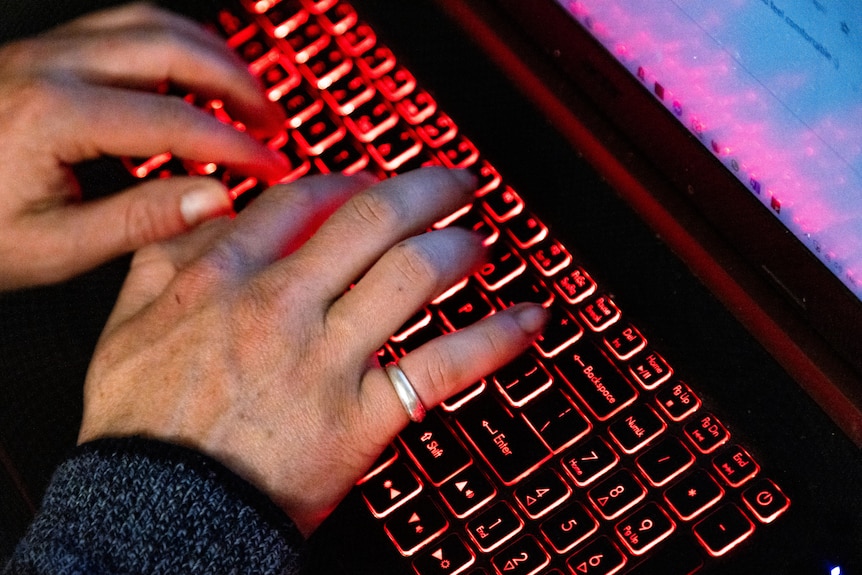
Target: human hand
[88,89]
[243,341]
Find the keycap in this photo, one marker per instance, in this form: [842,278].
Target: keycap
[494,526]
[448,557]
[318,133]
[526,230]
[415,524]
[459,152]
[568,527]
[525,287]
[389,489]
[467,491]
[587,462]
[434,448]
[575,286]
[416,107]
[503,204]
[396,83]
[348,93]
[693,494]
[549,257]
[645,528]
[503,265]
[561,331]
[617,493]
[283,18]
[394,147]
[541,492]
[765,500]
[376,62]
[600,557]
[723,529]
[437,130]
[371,119]
[735,465]
[556,419]
[526,556]
[598,312]
[649,369]
[307,40]
[706,433]
[636,427]
[598,383]
[339,18]
[465,307]
[505,441]
[677,401]
[623,340]
[664,461]
[522,379]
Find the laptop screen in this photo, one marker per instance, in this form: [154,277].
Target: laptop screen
[773,88]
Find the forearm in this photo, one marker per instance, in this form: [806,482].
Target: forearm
[139,506]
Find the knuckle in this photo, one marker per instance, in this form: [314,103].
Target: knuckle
[377,210]
[416,263]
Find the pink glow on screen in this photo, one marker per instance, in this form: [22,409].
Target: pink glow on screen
[773,88]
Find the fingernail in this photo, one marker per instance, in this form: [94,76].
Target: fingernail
[531,318]
[465,177]
[204,203]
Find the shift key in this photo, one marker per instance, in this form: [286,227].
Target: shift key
[504,440]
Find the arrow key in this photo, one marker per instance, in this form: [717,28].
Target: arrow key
[449,557]
[467,492]
[415,525]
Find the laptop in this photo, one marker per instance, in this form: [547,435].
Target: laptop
[679,183]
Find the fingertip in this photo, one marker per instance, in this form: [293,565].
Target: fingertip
[205,200]
[531,318]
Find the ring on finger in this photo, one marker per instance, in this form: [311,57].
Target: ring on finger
[406,393]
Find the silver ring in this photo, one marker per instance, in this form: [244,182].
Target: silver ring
[406,393]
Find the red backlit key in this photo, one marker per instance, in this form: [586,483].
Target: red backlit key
[503,204]
[694,494]
[666,460]
[600,557]
[677,401]
[649,369]
[599,385]
[348,93]
[523,557]
[394,147]
[494,526]
[765,500]
[707,433]
[556,419]
[459,152]
[415,525]
[416,107]
[339,18]
[326,67]
[466,492]
[307,41]
[550,257]
[587,462]
[434,448]
[735,466]
[448,557]
[318,133]
[389,489]
[636,427]
[617,494]
[525,287]
[284,18]
[645,528]
[522,380]
[465,307]
[723,530]
[505,441]
[623,340]
[376,62]
[599,312]
[437,130]
[568,527]
[357,40]
[371,119]
[503,265]
[526,230]
[542,492]
[561,331]
[396,84]
[576,285]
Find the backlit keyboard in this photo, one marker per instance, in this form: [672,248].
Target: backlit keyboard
[588,455]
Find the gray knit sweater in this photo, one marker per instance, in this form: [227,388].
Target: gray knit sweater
[141,506]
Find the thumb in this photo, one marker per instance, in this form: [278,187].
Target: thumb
[91,233]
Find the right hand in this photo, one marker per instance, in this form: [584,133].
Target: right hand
[88,89]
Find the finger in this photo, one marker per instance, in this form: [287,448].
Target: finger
[99,121]
[369,224]
[407,277]
[449,364]
[79,237]
[142,47]
[283,218]
[156,265]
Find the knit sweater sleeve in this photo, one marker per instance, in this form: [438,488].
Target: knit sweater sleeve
[141,506]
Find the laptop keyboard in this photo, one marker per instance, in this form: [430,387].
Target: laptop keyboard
[589,454]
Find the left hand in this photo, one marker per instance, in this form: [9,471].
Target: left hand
[245,340]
